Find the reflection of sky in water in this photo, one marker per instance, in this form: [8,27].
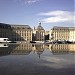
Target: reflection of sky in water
[58,61]
[36,62]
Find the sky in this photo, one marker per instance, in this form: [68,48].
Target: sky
[30,12]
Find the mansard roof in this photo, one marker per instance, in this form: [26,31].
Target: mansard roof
[59,27]
[6,26]
[3,25]
[21,26]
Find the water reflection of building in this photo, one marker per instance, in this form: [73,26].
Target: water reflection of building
[16,49]
[22,49]
[25,49]
[38,48]
[48,46]
[6,49]
[71,48]
[62,48]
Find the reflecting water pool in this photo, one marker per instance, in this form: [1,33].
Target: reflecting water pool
[37,59]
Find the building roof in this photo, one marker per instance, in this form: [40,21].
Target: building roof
[40,27]
[21,26]
[58,27]
[3,25]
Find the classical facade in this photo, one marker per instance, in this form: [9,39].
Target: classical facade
[62,33]
[25,33]
[21,33]
[16,32]
[72,34]
[39,33]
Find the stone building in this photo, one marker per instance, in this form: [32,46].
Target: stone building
[62,33]
[39,33]
[21,33]
[16,32]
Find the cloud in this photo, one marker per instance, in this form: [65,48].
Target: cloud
[57,62]
[57,16]
[27,1]
[30,1]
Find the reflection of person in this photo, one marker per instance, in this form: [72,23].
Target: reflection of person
[39,54]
